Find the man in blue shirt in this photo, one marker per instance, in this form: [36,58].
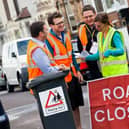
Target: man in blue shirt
[39,33]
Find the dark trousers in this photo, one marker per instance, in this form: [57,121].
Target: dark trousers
[92,72]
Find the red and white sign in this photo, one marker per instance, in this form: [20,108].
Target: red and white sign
[109,103]
[53,101]
[54,96]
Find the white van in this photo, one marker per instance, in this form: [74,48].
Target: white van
[14,63]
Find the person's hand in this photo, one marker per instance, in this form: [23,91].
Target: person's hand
[80,77]
[82,58]
[63,67]
[107,53]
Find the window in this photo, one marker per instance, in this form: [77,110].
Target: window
[99,6]
[71,17]
[109,5]
[27,24]
[17,34]
[22,47]
[115,4]
[1,24]
[87,2]
[73,23]
[41,17]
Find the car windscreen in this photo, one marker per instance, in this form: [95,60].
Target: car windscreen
[22,47]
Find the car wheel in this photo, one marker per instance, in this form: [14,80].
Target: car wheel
[10,88]
[4,87]
[21,83]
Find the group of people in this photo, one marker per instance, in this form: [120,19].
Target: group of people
[52,51]
[104,46]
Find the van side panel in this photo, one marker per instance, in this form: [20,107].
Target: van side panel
[14,61]
[9,63]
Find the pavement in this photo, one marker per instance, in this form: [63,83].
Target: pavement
[27,116]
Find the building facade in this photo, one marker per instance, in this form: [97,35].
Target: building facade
[71,10]
[113,8]
[17,15]
[44,8]
[73,15]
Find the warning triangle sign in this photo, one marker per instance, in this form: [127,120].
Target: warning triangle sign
[49,103]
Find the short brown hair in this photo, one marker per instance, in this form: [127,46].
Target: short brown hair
[36,27]
[52,16]
[88,8]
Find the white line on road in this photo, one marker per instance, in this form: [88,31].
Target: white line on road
[15,113]
[3,92]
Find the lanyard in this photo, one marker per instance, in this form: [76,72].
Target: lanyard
[91,33]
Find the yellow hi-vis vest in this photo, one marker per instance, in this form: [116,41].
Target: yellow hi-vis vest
[62,54]
[112,65]
[33,70]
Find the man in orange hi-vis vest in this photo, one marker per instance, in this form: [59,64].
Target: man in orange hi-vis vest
[59,44]
[87,41]
[39,59]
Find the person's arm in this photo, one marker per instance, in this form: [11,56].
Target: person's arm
[117,44]
[75,62]
[79,45]
[117,41]
[93,57]
[42,61]
[49,47]
[79,75]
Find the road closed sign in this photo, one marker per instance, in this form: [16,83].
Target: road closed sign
[53,101]
[109,103]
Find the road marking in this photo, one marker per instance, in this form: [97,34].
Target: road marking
[15,113]
[3,92]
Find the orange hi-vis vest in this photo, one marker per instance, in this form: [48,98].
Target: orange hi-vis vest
[84,41]
[63,53]
[33,69]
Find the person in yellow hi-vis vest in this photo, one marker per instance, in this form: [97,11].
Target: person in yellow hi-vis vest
[59,44]
[111,48]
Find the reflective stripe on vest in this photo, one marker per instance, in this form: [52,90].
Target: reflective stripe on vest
[114,62]
[31,65]
[107,40]
[83,36]
[33,69]
[113,65]
[84,41]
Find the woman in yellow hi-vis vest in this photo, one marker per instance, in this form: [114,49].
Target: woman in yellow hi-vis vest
[111,49]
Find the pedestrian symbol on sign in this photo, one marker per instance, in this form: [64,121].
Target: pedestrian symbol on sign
[53,101]
[57,96]
[53,97]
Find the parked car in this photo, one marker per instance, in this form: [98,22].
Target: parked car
[2,80]
[14,63]
[4,121]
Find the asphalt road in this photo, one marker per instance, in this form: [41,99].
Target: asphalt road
[22,110]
